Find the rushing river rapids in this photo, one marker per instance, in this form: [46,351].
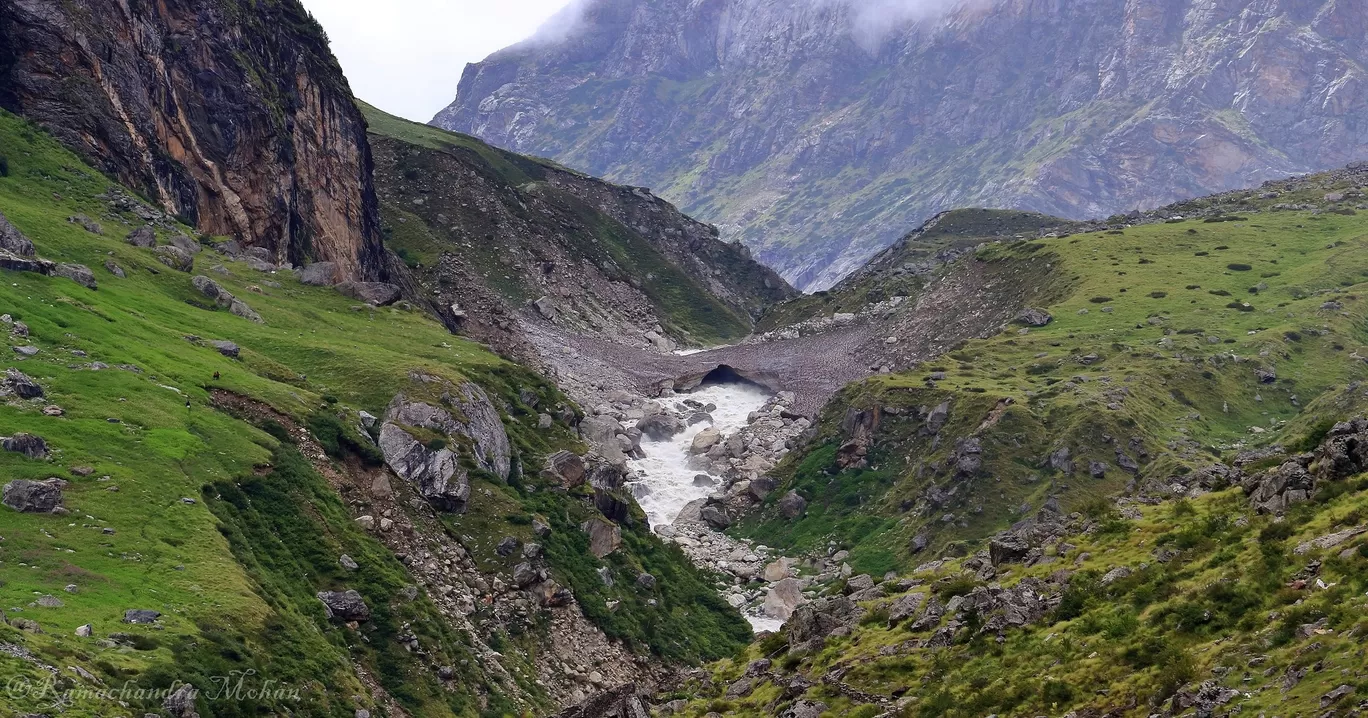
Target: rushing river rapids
[666,481]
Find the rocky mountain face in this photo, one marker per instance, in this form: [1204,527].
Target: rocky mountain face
[237,120]
[501,240]
[818,133]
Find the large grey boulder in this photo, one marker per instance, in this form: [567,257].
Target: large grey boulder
[1008,549]
[143,237]
[319,274]
[905,607]
[21,263]
[186,244]
[78,273]
[792,506]
[525,575]
[816,620]
[225,347]
[345,605]
[1273,491]
[27,444]
[175,258]
[600,432]
[211,290]
[20,385]
[478,420]
[33,497]
[436,472]
[1032,317]
[623,701]
[141,616]
[224,299]
[604,536]
[783,598]
[660,426]
[239,308]
[715,517]
[565,468]
[377,293]
[12,240]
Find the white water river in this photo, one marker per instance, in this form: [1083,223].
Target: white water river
[666,482]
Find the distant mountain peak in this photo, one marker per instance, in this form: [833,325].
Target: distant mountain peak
[784,126]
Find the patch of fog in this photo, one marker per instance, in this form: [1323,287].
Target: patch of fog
[665,481]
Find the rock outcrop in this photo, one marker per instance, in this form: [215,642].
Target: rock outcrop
[434,467]
[733,108]
[239,122]
[1343,453]
[34,497]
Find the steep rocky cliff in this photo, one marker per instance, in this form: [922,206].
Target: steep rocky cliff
[819,132]
[235,118]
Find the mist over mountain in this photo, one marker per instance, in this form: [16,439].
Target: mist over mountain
[818,132]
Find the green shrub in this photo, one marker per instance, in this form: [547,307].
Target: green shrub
[1100,300]
[4,166]
[1238,267]
[337,441]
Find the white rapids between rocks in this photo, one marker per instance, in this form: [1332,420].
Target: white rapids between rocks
[666,482]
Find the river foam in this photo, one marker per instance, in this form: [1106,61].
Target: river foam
[665,482]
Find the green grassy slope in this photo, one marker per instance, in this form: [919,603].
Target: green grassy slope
[1178,315]
[219,524]
[1225,611]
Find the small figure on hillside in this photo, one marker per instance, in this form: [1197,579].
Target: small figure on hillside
[216,376]
[187,404]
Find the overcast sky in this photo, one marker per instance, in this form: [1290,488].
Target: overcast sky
[406,56]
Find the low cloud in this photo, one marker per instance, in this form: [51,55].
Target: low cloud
[873,21]
[563,25]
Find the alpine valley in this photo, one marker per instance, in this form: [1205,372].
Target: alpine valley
[310,410]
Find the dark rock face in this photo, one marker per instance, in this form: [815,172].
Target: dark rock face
[622,702]
[1343,453]
[27,444]
[240,122]
[792,506]
[78,273]
[345,605]
[815,620]
[377,293]
[33,497]
[769,100]
[14,241]
[21,385]
[1032,317]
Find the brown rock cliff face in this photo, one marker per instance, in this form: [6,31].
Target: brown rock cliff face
[235,118]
